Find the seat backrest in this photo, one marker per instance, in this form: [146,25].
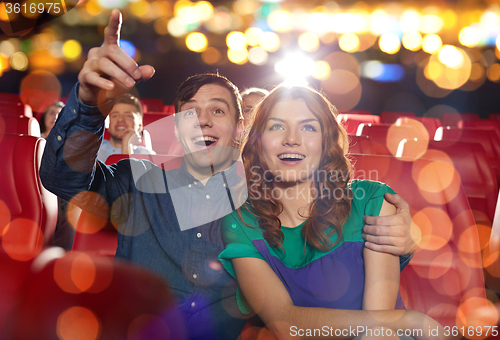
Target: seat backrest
[477,175]
[98,236]
[482,124]
[15,109]
[494,116]
[365,146]
[390,117]
[10,97]
[28,211]
[83,296]
[431,124]
[487,138]
[446,270]
[19,125]
[162,134]
[351,121]
[452,118]
[151,104]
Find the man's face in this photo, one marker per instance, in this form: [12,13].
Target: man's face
[122,118]
[207,128]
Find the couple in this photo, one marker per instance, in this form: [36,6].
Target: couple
[293,129]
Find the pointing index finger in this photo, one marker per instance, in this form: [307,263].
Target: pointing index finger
[112,31]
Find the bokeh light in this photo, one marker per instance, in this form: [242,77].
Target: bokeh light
[257,56]
[236,40]
[19,61]
[412,41]
[389,43]
[349,42]
[280,21]
[196,42]
[322,70]
[436,228]
[72,50]
[269,41]
[211,56]
[39,89]
[253,35]
[437,181]
[237,56]
[308,42]
[78,323]
[469,36]
[431,43]
[431,23]
[22,239]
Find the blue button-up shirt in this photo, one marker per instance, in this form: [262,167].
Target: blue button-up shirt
[142,209]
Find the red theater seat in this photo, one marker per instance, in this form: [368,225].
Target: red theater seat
[168,109]
[365,146]
[481,124]
[390,117]
[494,116]
[161,128]
[10,97]
[28,212]
[151,104]
[446,270]
[431,124]
[15,109]
[488,139]
[79,296]
[19,125]
[478,177]
[351,121]
[98,236]
[452,118]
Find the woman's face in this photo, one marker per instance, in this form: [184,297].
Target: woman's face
[50,118]
[249,102]
[292,142]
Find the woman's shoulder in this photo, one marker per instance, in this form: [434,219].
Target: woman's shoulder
[243,221]
[363,189]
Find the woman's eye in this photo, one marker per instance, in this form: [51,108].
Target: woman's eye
[275,127]
[309,128]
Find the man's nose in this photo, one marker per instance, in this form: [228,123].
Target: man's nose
[204,118]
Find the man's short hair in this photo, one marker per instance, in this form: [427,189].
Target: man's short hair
[190,86]
[127,98]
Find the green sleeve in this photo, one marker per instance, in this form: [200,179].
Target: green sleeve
[367,199]
[238,240]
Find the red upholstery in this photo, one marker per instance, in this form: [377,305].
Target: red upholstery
[482,124]
[478,177]
[19,125]
[389,117]
[446,269]
[431,124]
[162,134]
[151,104]
[15,109]
[452,118]
[413,136]
[488,139]
[28,212]
[365,146]
[81,296]
[10,97]
[357,112]
[351,121]
[494,116]
[99,236]
[168,109]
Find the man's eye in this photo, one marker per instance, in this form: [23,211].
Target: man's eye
[218,111]
[309,128]
[189,113]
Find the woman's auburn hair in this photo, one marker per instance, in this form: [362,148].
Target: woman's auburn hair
[328,208]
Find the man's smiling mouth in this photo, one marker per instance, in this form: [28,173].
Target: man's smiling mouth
[205,140]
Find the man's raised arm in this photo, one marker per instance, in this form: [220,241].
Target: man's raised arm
[69,161]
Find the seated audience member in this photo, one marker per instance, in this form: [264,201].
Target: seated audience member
[251,97]
[296,245]
[49,117]
[125,121]
[208,125]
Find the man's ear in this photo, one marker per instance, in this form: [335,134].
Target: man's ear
[240,128]
[176,133]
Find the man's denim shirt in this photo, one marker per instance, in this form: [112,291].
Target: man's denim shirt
[149,233]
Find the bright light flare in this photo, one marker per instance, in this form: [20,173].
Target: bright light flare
[236,40]
[295,68]
[451,56]
[431,43]
[389,43]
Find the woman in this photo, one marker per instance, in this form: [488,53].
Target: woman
[48,118]
[250,98]
[296,246]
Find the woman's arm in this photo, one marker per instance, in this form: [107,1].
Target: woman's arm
[269,298]
[381,274]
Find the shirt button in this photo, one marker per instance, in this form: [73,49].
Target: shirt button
[193,304]
[207,197]
[195,276]
[74,111]
[189,186]
[195,182]
[59,138]
[224,185]
[198,235]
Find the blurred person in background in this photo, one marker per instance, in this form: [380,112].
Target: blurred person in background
[49,117]
[251,97]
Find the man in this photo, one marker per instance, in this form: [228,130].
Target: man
[138,196]
[125,121]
